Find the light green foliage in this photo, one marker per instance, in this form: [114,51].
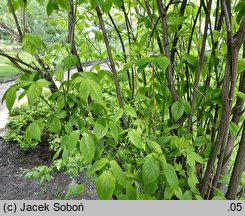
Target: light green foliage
[118,173]
[177,110]
[170,175]
[105,185]
[40,172]
[75,190]
[87,148]
[100,128]
[34,131]
[20,119]
[10,96]
[135,138]
[150,170]
[31,43]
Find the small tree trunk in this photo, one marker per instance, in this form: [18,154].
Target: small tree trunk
[236,117]
[71,31]
[228,89]
[237,170]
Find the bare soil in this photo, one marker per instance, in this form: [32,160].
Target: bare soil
[14,186]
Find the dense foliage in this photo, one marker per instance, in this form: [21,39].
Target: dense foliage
[162,120]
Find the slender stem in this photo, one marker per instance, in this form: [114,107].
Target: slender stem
[129,27]
[123,48]
[112,63]
[176,37]
[15,19]
[199,69]
[10,30]
[71,33]
[170,71]
[148,9]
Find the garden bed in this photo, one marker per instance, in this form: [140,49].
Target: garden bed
[14,186]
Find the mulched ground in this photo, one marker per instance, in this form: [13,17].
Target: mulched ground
[13,186]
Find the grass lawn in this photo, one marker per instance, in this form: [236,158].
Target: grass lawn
[7,70]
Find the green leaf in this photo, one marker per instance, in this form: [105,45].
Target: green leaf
[163,63]
[219,197]
[192,182]
[151,188]
[130,111]
[114,130]
[168,192]
[187,106]
[118,173]
[241,95]
[192,61]
[165,139]
[240,8]
[31,43]
[59,74]
[98,165]
[177,110]
[192,158]
[135,138]
[155,146]
[63,4]
[33,131]
[144,61]
[43,83]
[150,170]
[118,115]
[233,128]
[16,5]
[60,114]
[93,3]
[65,141]
[105,185]
[87,148]
[178,193]
[70,61]
[171,175]
[96,92]
[73,140]
[75,189]
[51,6]
[118,3]
[54,124]
[10,97]
[100,128]
[33,94]
[187,195]
[131,193]
[105,5]
[216,35]
[65,155]
[85,90]
[241,65]
[199,141]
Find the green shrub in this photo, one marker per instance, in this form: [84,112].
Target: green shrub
[20,118]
